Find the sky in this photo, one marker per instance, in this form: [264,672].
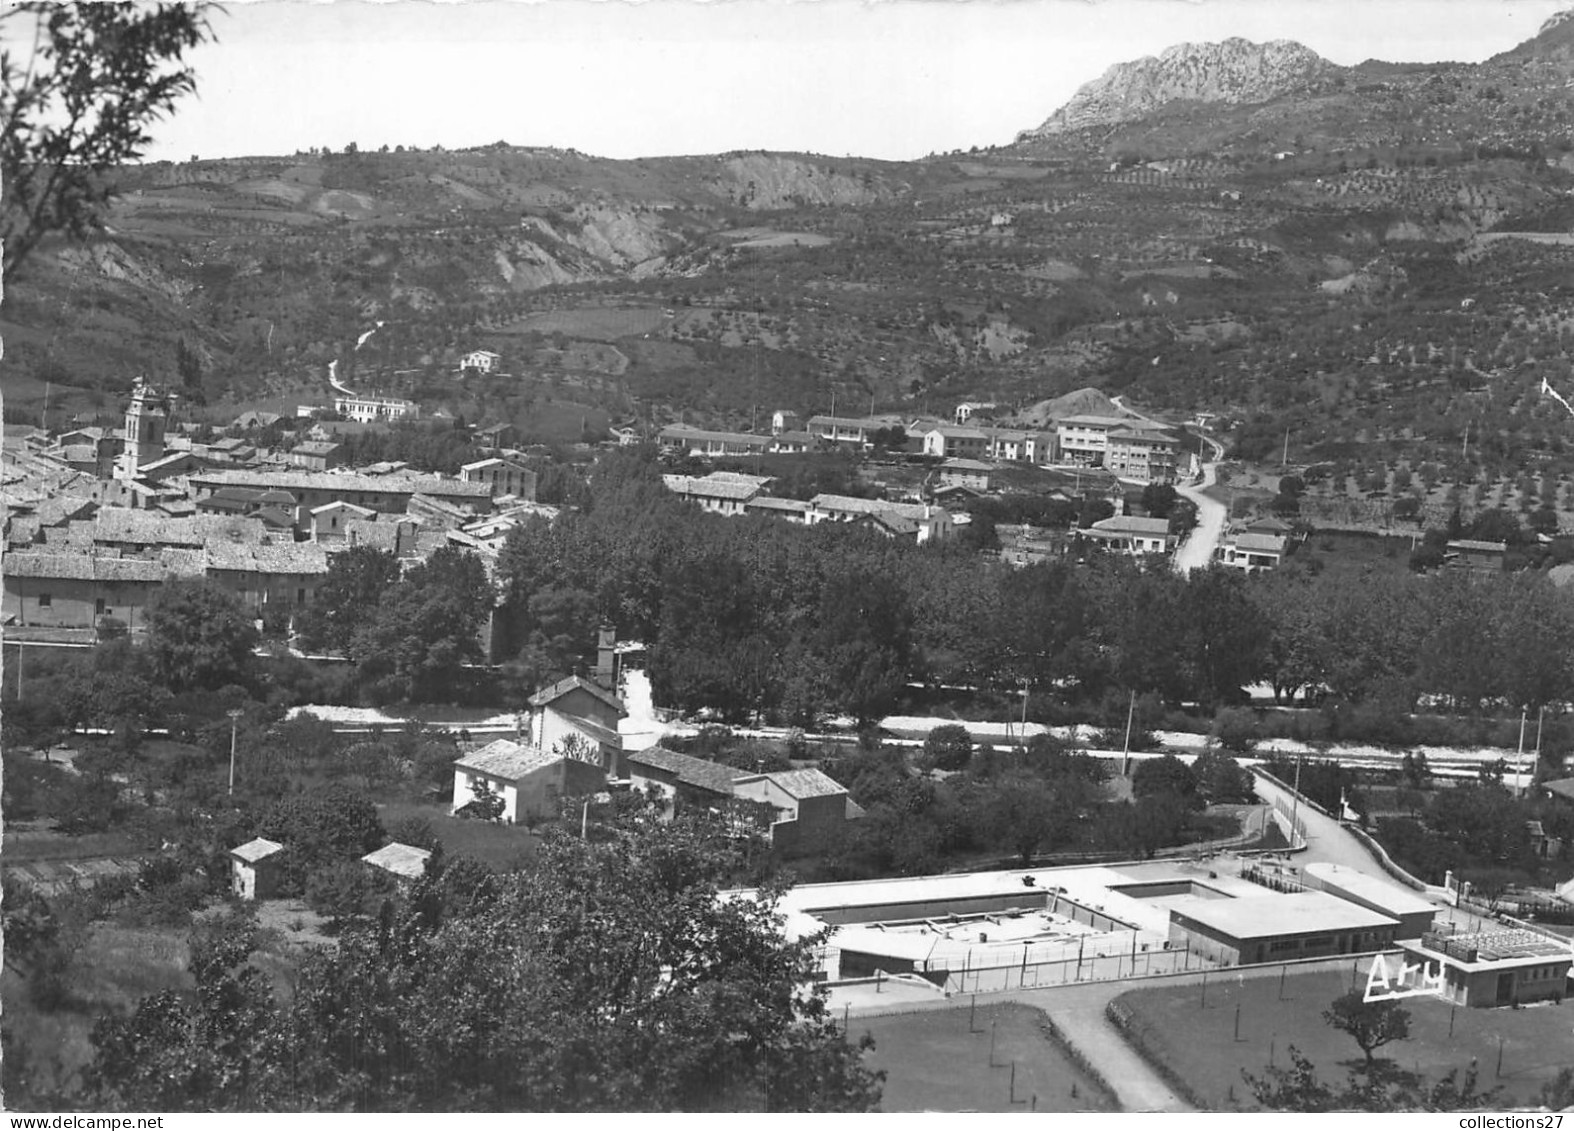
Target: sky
[896,79]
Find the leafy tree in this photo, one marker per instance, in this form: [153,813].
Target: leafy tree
[1221,780]
[948,747]
[1165,777]
[1159,499]
[484,805]
[427,627]
[358,581]
[204,1053]
[1370,1024]
[78,104]
[607,975]
[321,829]
[199,636]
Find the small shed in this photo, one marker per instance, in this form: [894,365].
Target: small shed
[405,861]
[255,868]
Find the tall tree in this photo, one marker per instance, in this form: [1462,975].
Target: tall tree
[80,87]
[199,636]
[427,628]
[358,581]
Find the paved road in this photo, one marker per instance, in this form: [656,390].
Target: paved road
[1197,551]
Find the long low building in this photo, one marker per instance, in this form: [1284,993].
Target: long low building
[386,494]
[1167,915]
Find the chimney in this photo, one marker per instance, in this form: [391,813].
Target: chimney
[606,662]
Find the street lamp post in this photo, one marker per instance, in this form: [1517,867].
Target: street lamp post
[234,722]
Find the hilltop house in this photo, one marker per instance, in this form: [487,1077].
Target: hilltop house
[482,361]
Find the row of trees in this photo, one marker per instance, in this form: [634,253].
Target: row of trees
[748,615]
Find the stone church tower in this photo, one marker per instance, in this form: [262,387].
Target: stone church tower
[146,420]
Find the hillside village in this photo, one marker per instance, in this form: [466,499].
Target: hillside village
[466,647]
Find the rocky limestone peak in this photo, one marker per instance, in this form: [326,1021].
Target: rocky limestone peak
[1553,40]
[1235,71]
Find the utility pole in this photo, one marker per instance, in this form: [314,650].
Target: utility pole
[1125,754]
[1295,799]
[234,722]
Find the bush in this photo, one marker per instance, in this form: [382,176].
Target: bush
[1235,728]
[948,747]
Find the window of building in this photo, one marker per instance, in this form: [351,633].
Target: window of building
[45,600]
[98,607]
[300,596]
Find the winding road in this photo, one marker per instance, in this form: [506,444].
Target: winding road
[1198,549]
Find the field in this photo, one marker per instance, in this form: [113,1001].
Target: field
[502,847]
[1346,554]
[600,323]
[1200,1046]
[933,1063]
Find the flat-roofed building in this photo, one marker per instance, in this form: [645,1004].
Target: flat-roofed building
[711,444]
[1375,894]
[1144,455]
[1084,439]
[365,410]
[1502,966]
[1278,927]
[856,430]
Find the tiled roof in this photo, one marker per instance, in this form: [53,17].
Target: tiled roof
[506,759]
[1484,547]
[151,528]
[698,772]
[806,783]
[315,448]
[846,422]
[1136,435]
[1129,524]
[342,481]
[363,512]
[895,523]
[294,557]
[1259,543]
[549,695]
[1095,421]
[710,488]
[255,850]
[848,504]
[767,503]
[400,859]
[1562,787]
[82,567]
[684,434]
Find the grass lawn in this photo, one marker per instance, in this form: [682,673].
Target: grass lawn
[501,847]
[933,1063]
[113,970]
[1352,556]
[1201,1046]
